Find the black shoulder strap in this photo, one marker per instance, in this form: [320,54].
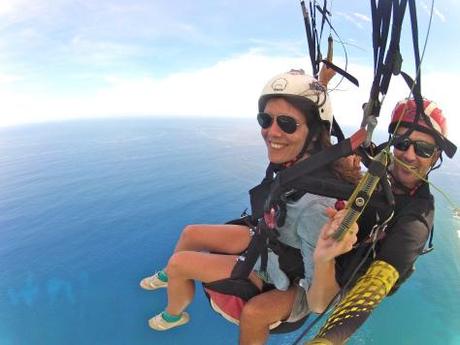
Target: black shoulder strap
[287,179]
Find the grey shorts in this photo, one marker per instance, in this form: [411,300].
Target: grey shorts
[300,307]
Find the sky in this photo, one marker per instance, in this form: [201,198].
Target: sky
[76,59]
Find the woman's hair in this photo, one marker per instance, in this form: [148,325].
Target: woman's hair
[346,168]
[319,138]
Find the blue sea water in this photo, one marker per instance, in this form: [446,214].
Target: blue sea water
[89,208]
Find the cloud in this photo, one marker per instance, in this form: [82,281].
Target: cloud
[362,17]
[441,16]
[284,46]
[229,88]
[11,6]
[356,18]
[349,18]
[436,12]
[90,51]
[17,11]
[9,78]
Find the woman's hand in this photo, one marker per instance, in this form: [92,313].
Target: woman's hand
[327,248]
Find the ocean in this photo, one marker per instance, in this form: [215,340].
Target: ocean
[88,208]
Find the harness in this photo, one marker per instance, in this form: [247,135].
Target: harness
[268,205]
[269,199]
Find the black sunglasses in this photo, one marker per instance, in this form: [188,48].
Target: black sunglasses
[421,148]
[287,123]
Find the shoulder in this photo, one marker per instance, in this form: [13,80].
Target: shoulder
[311,203]
[311,214]
[415,209]
[407,234]
[413,217]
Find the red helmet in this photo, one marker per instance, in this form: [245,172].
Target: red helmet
[431,122]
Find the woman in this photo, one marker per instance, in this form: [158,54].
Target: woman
[295,116]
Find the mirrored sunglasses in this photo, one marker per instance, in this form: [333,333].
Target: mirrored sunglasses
[421,148]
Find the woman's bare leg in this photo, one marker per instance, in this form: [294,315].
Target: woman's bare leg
[186,266]
[263,310]
[225,239]
[220,238]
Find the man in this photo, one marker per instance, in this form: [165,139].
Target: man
[418,141]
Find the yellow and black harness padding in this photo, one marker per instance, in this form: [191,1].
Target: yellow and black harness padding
[357,305]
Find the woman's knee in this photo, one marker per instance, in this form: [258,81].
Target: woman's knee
[190,236]
[253,313]
[178,263]
[268,307]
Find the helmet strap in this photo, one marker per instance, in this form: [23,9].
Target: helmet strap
[436,164]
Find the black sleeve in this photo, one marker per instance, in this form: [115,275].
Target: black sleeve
[406,238]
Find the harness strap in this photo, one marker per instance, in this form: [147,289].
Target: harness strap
[342,72]
[393,59]
[323,20]
[286,179]
[337,131]
[265,234]
[387,62]
[318,58]
[247,260]
[414,27]
[310,39]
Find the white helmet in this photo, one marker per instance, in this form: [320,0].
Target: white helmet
[297,84]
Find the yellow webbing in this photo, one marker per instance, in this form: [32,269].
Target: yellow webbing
[354,308]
